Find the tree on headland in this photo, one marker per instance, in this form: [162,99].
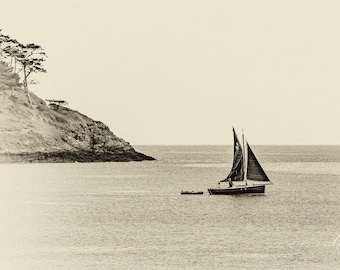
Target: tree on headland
[8,48]
[11,50]
[3,43]
[30,56]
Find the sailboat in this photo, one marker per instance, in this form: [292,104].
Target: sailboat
[246,175]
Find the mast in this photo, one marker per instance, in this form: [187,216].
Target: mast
[244,158]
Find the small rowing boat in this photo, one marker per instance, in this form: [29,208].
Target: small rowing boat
[191,192]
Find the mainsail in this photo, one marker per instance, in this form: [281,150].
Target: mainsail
[254,169]
[237,171]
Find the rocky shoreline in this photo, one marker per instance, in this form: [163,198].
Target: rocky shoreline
[73,156]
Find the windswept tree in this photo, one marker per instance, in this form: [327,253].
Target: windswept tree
[3,42]
[30,56]
[12,79]
[12,50]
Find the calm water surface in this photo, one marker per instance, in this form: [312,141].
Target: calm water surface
[132,216]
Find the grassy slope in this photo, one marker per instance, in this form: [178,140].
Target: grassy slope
[24,129]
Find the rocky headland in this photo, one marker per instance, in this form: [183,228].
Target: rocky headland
[33,131]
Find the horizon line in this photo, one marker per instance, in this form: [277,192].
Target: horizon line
[200,144]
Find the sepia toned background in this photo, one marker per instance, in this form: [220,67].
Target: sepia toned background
[184,72]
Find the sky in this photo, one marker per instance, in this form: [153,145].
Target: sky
[187,71]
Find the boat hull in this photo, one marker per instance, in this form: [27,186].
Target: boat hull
[237,190]
[192,192]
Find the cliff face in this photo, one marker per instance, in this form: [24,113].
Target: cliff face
[45,133]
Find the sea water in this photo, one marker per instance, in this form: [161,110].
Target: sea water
[132,216]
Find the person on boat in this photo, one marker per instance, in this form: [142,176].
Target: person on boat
[230,183]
